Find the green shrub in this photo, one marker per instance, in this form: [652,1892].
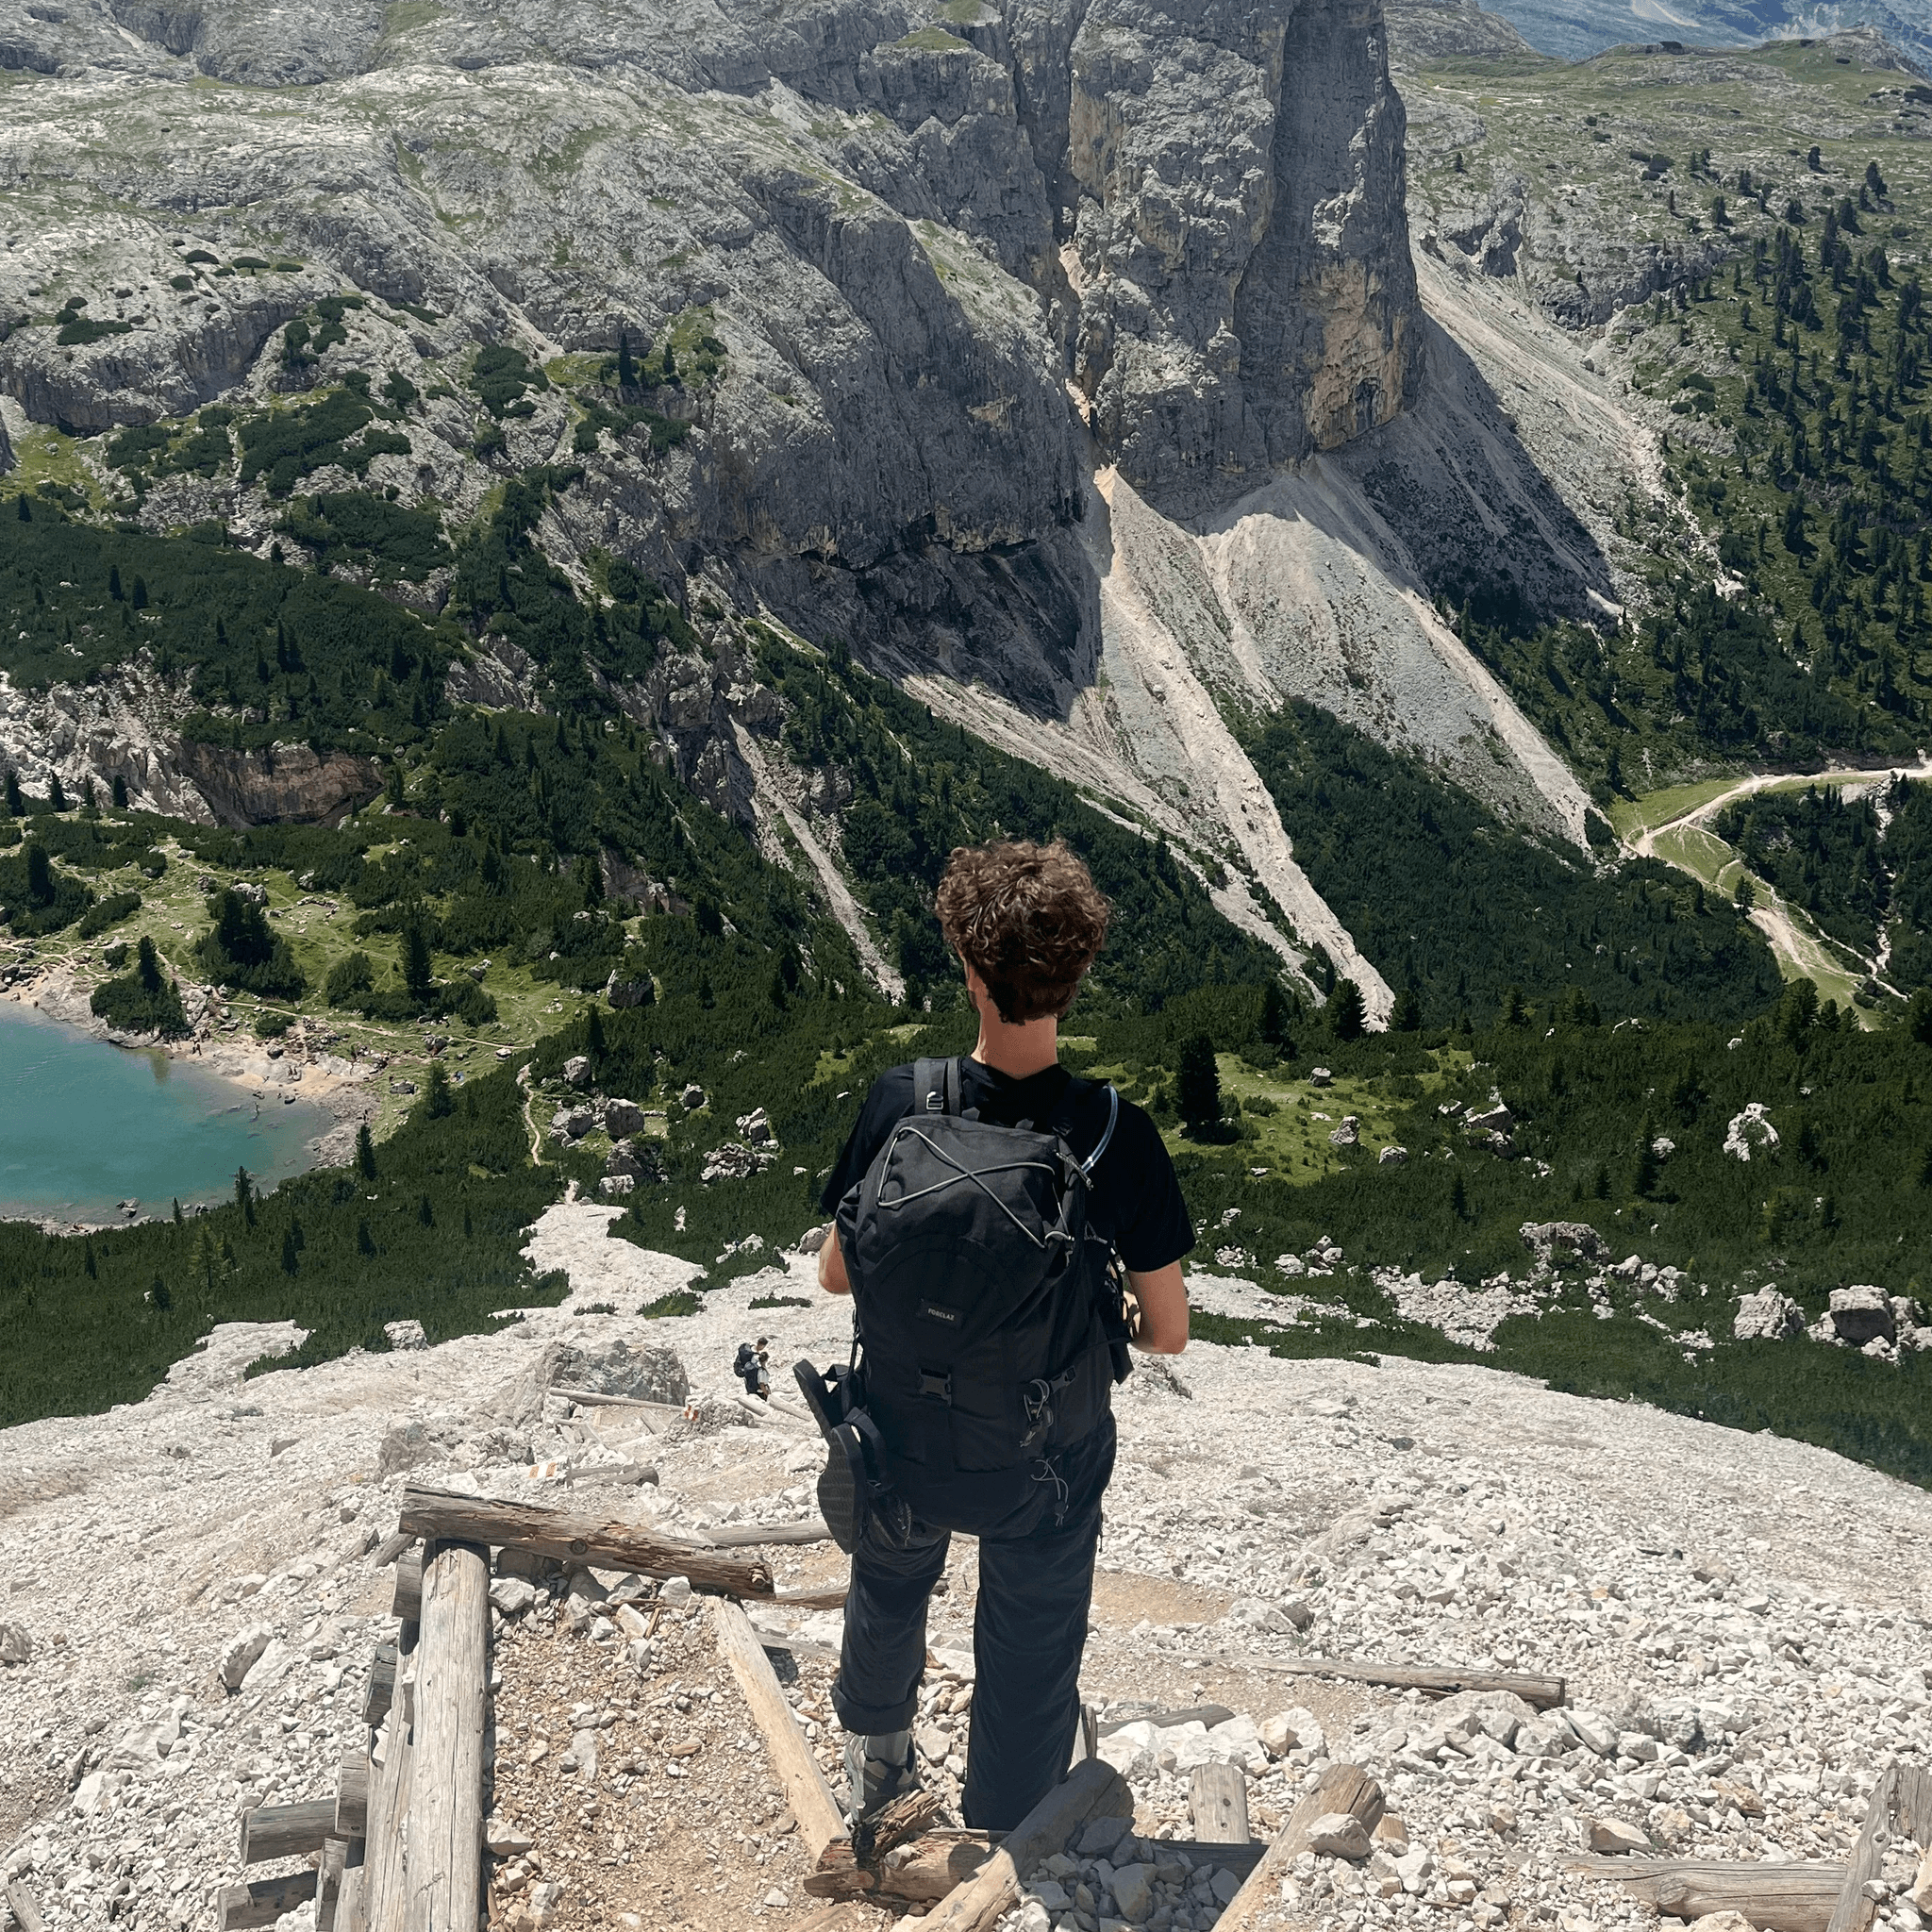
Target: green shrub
[272,1025]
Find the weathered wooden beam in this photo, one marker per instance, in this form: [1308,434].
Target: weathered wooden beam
[388,1810]
[391,1547]
[352,1909]
[443,1877]
[405,1601]
[929,1868]
[832,1598]
[262,1903]
[1218,1803]
[1543,1692]
[352,1793]
[749,1536]
[1209,1714]
[1852,1912]
[1340,1788]
[1092,1788]
[285,1831]
[328,1883]
[579,1538]
[24,1908]
[382,1685]
[819,1820]
[1774,1897]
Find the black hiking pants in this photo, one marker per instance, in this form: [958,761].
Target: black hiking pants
[1035,1583]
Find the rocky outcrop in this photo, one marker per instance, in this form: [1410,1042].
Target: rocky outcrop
[283,782]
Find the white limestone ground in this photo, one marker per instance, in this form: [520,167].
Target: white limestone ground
[1742,1620]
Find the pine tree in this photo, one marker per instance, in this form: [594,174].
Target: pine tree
[290,1261]
[439,1102]
[1347,1018]
[1197,1084]
[245,1196]
[626,368]
[416,960]
[1274,1012]
[1458,1199]
[365,1153]
[1407,1016]
[57,795]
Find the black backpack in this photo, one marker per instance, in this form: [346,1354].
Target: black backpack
[986,1312]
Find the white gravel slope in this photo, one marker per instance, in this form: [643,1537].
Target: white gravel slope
[1752,1609]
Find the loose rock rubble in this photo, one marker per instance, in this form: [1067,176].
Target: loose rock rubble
[190,1595]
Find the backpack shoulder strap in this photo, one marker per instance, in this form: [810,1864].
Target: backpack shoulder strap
[935,1086]
[1072,1102]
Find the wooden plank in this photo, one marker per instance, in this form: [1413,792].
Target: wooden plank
[579,1538]
[1340,1788]
[352,1793]
[391,1547]
[238,1906]
[388,1810]
[1544,1693]
[751,1535]
[444,1876]
[830,1599]
[1218,1803]
[405,1601]
[352,1909]
[328,1883]
[24,1908]
[932,1867]
[1776,1897]
[382,1685]
[820,1821]
[1092,1788]
[1852,1912]
[285,1831]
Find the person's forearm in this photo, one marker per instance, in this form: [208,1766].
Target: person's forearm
[1160,1300]
[832,1276]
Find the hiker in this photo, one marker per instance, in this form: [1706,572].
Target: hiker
[1026,922]
[746,1366]
[760,1383]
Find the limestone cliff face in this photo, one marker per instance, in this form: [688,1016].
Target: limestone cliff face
[909,225]
[1238,244]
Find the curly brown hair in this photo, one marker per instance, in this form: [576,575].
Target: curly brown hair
[1027,918]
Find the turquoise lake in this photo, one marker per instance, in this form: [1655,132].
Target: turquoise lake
[84,1125]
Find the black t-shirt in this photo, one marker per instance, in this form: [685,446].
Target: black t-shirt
[1134,1197]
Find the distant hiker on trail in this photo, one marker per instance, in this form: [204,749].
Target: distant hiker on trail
[749,1366]
[762,1370]
[984,1211]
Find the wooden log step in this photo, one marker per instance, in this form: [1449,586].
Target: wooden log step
[580,1539]
[287,1831]
[24,1908]
[1218,1803]
[1091,1789]
[382,1685]
[819,1820]
[351,1794]
[1775,1897]
[749,1536]
[1209,1714]
[328,1883]
[262,1903]
[1544,1693]
[1340,1788]
[406,1602]
[444,1876]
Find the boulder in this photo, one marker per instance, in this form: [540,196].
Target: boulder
[576,1070]
[692,1099]
[1614,1834]
[622,1117]
[1295,1729]
[615,1368]
[577,1122]
[404,1447]
[813,1239]
[1391,1157]
[733,1161]
[1319,1076]
[622,1159]
[1348,1134]
[757,1127]
[1561,1243]
[622,993]
[1750,1131]
[1862,1314]
[614,1187]
[1493,1118]
[406,1335]
[241,1653]
[1340,1835]
[1767,1316]
[1591,1730]
[17,1644]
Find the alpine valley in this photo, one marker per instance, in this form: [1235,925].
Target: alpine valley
[527,535]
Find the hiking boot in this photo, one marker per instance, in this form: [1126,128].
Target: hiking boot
[878,1770]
